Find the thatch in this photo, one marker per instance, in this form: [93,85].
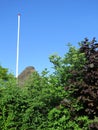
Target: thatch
[25,74]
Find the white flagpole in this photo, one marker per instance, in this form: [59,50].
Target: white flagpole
[17,55]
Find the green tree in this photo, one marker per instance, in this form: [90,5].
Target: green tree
[81,80]
[4,75]
[54,101]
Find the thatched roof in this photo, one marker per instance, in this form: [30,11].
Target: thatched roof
[25,74]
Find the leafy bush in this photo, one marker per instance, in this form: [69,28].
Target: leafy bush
[61,119]
[63,100]
[85,84]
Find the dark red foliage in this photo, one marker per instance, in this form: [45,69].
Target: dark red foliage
[86,90]
[93,126]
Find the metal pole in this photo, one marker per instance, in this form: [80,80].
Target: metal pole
[17,55]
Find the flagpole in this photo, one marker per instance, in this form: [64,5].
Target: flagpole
[17,55]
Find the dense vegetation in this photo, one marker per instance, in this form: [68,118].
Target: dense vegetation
[67,99]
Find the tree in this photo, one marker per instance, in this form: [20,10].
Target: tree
[4,74]
[78,71]
[85,80]
[63,100]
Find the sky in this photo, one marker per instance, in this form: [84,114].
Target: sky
[46,27]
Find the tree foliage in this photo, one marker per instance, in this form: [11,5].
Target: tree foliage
[63,100]
[85,81]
